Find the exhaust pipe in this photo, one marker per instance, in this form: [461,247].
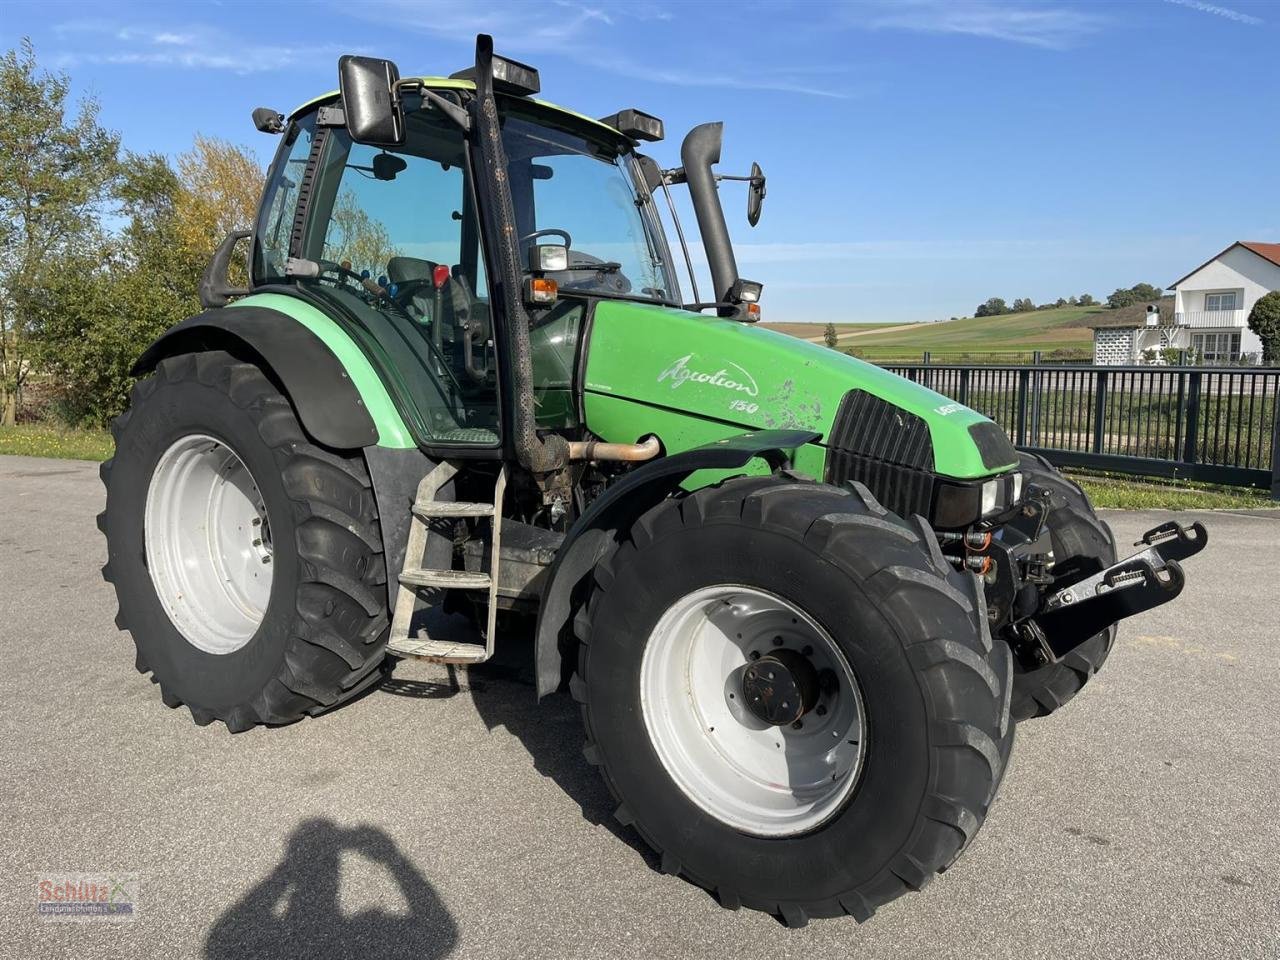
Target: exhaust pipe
[621,452]
[700,149]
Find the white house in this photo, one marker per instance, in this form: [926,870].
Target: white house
[1213,300]
[1138,333]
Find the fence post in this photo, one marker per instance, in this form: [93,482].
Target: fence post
[1275,449]
[1099,409]
[1035,357]
[1193,417]
[964,386]
[1024,379]
[925,358]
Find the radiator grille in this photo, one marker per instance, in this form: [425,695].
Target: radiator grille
[874,428]
[886,448]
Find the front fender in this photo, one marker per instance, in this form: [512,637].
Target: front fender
[600,529]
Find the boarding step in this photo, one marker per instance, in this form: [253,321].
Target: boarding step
[440,651]
[432,509]
[447,579]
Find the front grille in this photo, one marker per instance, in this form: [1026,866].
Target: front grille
[875,428]
[886,448]
[903,490]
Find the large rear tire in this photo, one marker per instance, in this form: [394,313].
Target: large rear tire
[1082,545]
[916,696]
[247,560]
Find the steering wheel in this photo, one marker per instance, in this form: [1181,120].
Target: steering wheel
[345,275]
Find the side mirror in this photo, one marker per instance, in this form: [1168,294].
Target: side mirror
[755,194]
[373,111]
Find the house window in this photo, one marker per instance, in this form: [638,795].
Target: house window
[1216,347]
[1220,301]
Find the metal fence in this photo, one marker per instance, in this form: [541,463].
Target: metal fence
[1217,424]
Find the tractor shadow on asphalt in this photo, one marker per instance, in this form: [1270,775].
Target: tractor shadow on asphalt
[551,731]
[295,911]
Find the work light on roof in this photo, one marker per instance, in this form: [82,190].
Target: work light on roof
[509,76]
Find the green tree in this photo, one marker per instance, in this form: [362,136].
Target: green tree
[1264,320]
[830,336]
[1084,300]
[1023,305]
[57,166]
[1145,291]
[1122,297]
[991,308]
[99,303]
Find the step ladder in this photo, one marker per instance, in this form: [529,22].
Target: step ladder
[415,577]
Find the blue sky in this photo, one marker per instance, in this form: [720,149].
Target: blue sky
[922,156]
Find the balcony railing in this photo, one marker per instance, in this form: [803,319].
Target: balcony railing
[1211,318]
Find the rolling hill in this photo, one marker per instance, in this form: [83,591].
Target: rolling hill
[1064,328]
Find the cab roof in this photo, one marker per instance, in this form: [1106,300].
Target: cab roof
[449,83]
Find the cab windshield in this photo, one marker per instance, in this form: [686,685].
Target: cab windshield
[567,187]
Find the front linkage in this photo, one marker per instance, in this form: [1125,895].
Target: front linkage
[1047,609]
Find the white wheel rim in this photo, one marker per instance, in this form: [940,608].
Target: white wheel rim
[759,778]
[208,544]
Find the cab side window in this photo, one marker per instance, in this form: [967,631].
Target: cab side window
[275,219]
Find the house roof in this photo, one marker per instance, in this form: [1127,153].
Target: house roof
[1267,251]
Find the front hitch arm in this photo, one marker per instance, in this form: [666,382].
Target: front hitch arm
[1145,580]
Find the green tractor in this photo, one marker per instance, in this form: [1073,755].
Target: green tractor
[801,601]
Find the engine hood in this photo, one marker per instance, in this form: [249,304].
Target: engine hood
[673,363]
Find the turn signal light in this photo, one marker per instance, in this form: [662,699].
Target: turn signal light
[440,275]
[540,291]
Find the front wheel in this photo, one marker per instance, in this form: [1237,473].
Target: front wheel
[1082,545]
[247,561]
[793,696]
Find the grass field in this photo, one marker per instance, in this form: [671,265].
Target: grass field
[45,440]
[1064,328]
[1134,493]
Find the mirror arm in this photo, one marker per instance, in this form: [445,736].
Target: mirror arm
[457,114]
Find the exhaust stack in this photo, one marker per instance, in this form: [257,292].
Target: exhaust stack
[701,149]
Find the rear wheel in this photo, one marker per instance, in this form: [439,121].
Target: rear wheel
[1082,545]
[793,696]
[247,561]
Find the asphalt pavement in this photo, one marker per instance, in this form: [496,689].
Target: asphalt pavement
[447,813]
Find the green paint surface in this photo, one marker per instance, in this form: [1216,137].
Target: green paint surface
[392,431]
[654,369]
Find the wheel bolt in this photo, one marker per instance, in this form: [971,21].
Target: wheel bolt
[266,559]
[754,654]
[777,641]
[257,543]
[820,710]
[797,725]
[257,521]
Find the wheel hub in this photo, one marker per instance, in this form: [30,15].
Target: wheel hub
[753,710]
[780,687]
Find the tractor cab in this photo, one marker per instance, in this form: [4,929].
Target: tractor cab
[390,237]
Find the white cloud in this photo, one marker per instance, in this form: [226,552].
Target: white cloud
[198,48]
[1045,25]
[1217,11]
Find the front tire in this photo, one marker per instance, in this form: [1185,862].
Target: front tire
[247,560]
[1082,545]
[931,711]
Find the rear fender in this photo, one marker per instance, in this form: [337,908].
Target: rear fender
[328,403]
[601,528]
